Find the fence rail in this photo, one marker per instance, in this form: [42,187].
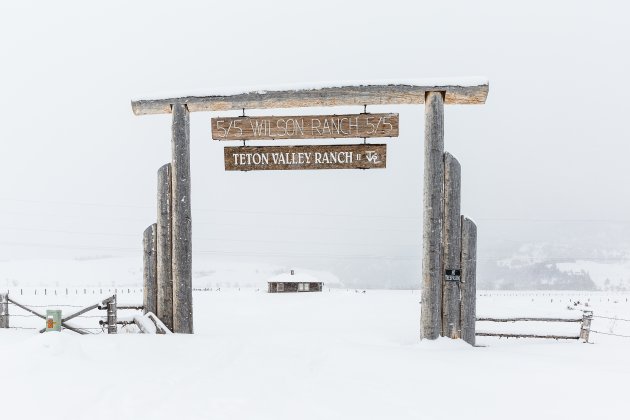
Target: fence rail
[585,328]
[507,335]
[530,319]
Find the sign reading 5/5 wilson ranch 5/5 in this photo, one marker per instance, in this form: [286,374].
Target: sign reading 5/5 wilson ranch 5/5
[305,127]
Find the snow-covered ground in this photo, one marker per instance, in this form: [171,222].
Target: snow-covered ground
[339,354]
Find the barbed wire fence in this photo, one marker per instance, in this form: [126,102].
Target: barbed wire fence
[106,323]
[30,312]
[585,329]
[611,332]
[72,291]
[51,306]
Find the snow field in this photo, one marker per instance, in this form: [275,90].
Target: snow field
[331,355]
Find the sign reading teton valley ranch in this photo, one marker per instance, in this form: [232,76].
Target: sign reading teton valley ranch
[348,156]
[305,127]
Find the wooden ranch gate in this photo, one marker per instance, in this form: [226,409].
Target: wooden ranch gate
[449,239]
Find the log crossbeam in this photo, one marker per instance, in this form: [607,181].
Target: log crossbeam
[347,95]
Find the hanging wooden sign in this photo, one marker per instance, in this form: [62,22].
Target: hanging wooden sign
[305,127]
[265,158]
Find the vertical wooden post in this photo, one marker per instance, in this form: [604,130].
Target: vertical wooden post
[469,280]
[585,330]
[452,241]
[149,300]
[182,227]
[112,317]
[433,197]
[4,310]
[164,248]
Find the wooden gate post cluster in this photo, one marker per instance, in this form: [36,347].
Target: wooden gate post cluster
[168,243]
[449,240]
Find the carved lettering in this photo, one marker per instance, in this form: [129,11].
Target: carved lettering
[305,127]
[352,156]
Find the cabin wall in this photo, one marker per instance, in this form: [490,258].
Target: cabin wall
[293,287]
[315,287]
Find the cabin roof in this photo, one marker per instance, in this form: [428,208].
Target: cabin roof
[296,278]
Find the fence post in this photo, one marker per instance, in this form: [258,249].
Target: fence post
[469,280]
[164,247]
[150,269]
[585,330]
[112,318]
[433,199]
[452,241]
[182,226]
[4,310]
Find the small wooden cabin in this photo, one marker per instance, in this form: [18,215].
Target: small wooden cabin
[294,283]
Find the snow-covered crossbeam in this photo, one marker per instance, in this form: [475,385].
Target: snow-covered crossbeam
[457,91]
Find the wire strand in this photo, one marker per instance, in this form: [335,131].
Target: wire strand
[609,317]
[616,335]
[49,306]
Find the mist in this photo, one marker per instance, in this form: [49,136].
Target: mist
[543,161]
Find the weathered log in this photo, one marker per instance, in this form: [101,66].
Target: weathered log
[370,94]
[182,227]
[159,325]
[150,269]
[524,319]
[4,310]
[469,280]
[452,247]
[506,335]
[432,216]
[165,247]
[27,309]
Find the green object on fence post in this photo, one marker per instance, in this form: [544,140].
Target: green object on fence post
[53,320]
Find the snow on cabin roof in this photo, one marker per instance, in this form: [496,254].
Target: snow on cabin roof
[296,278]
[468,81]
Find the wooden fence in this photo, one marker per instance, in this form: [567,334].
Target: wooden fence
[585,328]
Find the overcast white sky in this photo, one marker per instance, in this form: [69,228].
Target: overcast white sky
[78,173]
